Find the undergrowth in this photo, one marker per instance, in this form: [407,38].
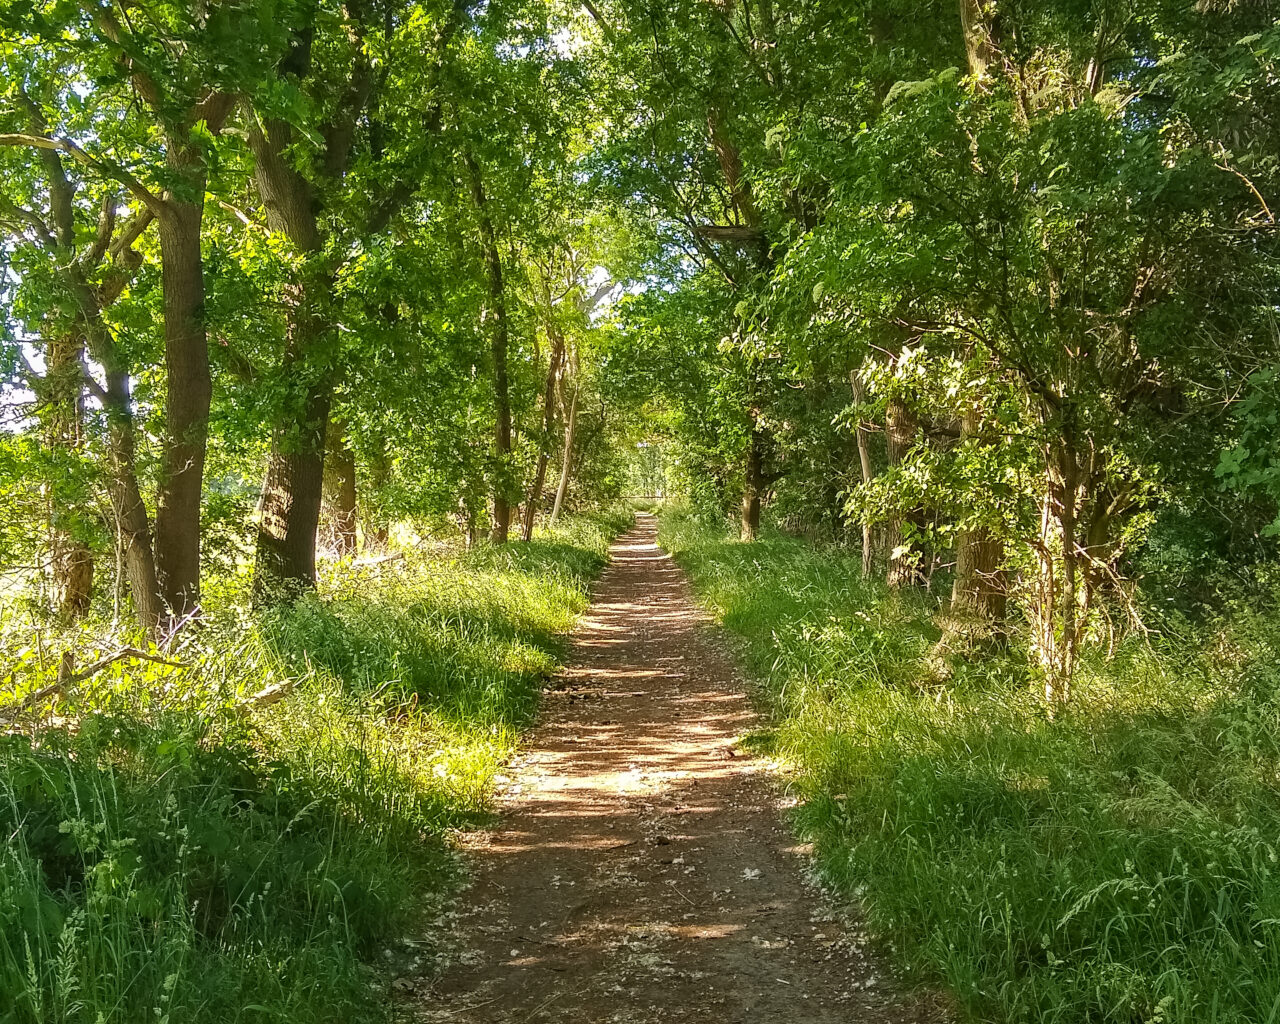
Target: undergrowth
[1118,863]
[182,847]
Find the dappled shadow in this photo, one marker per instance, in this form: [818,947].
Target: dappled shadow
[640,872]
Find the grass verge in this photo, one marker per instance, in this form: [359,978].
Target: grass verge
[179,849]
[1119,863]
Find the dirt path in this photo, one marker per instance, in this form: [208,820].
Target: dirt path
[640,872]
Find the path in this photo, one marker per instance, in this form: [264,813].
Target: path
[640,871]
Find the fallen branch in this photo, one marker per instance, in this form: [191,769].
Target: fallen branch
[360,563]
[268,695]
[68,678]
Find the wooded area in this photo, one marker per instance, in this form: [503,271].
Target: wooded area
[977,298]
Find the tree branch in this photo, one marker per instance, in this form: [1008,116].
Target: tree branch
[112,170]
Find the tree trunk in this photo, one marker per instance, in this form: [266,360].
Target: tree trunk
[1062,596]
[498,347]
[555,361]
[189,392]
[289,509]
[863,437]
[973,624]
[979,43]
[1057,687]
[980,592]
[534,498]
[471,531]
[71,560]
[753,484]
[901,428]
[566,461]
[130,510]
[376,529]
[340,487]
[133,525]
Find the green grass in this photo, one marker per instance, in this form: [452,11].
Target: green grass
[1118,863]
[174,853]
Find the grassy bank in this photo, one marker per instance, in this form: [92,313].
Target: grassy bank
[183,846]
[1119,863]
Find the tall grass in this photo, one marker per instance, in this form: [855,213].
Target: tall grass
[1118,863]
[175,851]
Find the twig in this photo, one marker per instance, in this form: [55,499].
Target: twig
[468,1009]
[178,627]
[682,895]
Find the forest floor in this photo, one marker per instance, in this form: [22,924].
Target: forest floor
[640,869]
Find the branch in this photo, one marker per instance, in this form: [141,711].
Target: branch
[94,387]
[588,303]
[739,233]
[61,192]
[111,170]
[605,28]
[1252,188]
[68,678]
[133,229]
[241,216]
[112,29]
[31,218]
[106,228]
[266,696]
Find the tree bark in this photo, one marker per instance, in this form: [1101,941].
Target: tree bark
[289,508]
[340,485]
[555,361]
[189,391]
[133,524]
[376,529]
[130,510]
[753,484]
[566,461]
[979,42]
[1057,687]
[863,437]
[980,591]
[498,341]
[901,429]
[1065,582]
[71,560]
